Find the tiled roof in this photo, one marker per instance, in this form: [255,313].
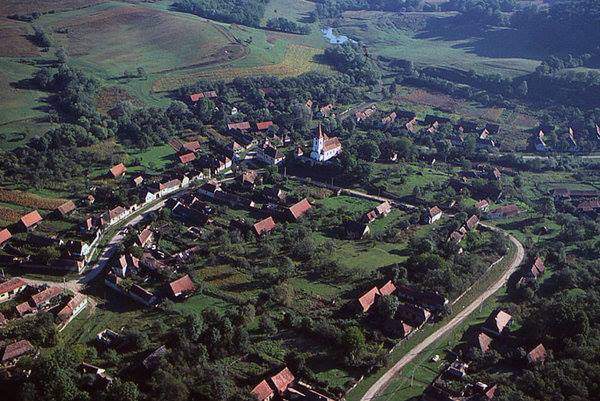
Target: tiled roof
[187,158]
[299,209]
[263,125]
[264,226]
[5,235]
[536,355]
[282,380]
[368,299]
[66,207]
[118,170]
[12,284]
[262,391]
[182,285]
[388,288]
[45,296]
[31,219]
[244,125]
[16,350]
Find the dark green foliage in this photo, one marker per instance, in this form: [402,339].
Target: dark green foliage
[285,25]
[350,59]
[245,12]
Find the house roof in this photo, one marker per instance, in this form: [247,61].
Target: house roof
[508,210]
[282,380]
[12,284]
[116,212]
[68,310]
[141,293]
[482,204]
[186,158]
[169,184]
[264,226]
[368,299]
[484,342]
[383,208]
[538,268]
[244,125]
[192,146]
[138,180]
[194,97]
[16,350]
[23,308]
[536,355]
[388,288]
[249,176]
[45,296]
[129,260]
[434,211]
[472,222]
[118,170]
[262,391]
[66,207]
[182,285]
[5,235]
[299,209]
[498,321]
[144,236]
[263,125]
[456,236]
[31,219]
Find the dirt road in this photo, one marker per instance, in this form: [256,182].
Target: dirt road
[383,381]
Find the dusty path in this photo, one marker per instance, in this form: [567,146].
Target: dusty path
[383,381]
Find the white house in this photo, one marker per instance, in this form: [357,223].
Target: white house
[268,154]
[324,147]
[434,215]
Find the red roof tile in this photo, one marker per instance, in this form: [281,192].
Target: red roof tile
[299,209]
[434,211]
[186,158]
[368,299]
[264,226]
[66,207]
[181,286]
[12,284]
[472,222]
[282,380]
[262,391]
[263,125]
[192,146]
[118,170]
[45,296]
[537,355]
[31,219]
[194,97]
[65,313]
[5,235]
[484,342]
[388,288]
[244,125]
[16,350]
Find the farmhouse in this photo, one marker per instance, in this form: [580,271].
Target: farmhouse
[268,154]
[142,295]
[263,392]
[282,380]
[243,126]
[388,288]
[482,205]
[248,178]
[497,322]
[415,315]
[390,118]
[356,229]
[65,208]
[537,355]
[30,220]
[537,269]
[298,210]
[187,158]
[434,214]
[210,188]
[362,115]
[324,148]
[264,226]
[165,188]
[116,214]
[126,264]
[13,352]
[45,297]
[472,222]
[368,299]
[72,308]
[264,125]
[504,212]
[117,171]
[10,288]
[484,342]
[5,235]
[182,287]
[194,97]
[145,237]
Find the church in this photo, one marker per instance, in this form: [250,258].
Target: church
[324,147]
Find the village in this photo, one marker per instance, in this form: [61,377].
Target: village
[256,186]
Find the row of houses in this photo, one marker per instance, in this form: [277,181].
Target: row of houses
[284,386]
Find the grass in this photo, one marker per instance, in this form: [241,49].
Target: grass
[156,158]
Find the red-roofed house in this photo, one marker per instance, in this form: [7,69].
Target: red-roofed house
[261,126]
[537,355]
[145,237]
[262,391]
[484,342]
[282,380]
[43,298]
[5,235]
[72,309]
[383,209]
[12,352]
[118,170]
[297,210]
[368,299]
[482,205]
[30,220]
[66,208]
[10,288]
[504,212]
[24,308]
[537,269]
[182,287]
[472,222]
[187,158]
[388,288]
[243,126]
[324,147]
[497,322]
[264,226]
[194,97]
[192,146]
[434,214]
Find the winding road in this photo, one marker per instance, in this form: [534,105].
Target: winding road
[382,383]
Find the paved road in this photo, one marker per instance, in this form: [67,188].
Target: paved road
[384,380]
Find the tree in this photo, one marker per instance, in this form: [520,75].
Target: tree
[369,151]
[61,55]
[122,391]
[353,341]
[547,206]
[387,306]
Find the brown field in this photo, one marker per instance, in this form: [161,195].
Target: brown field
[493,114]
[110,96]
[13,40]
[10,7]
[9,215]
[440,101]
[524,120]
[29,200]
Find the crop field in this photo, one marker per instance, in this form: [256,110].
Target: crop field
[30,200]
[296,60]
